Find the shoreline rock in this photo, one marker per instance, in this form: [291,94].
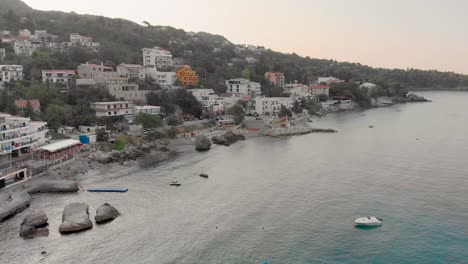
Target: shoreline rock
[202,143]
[75,218]
[105,213]
[228,138]
[34,224]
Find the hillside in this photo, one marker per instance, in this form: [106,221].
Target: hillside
[213,56]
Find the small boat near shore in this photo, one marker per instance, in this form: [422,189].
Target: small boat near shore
[175,183]
[204,175]
[369,221]
[108,190]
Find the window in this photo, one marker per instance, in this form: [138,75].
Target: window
[109,113]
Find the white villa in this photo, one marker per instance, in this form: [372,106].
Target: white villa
[244,87]
[157,58]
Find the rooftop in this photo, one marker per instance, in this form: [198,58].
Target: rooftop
[59,71]
[59,145]
[115,102]
[319,86]
[24,103]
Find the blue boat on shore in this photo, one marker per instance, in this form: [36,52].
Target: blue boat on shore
[108,190]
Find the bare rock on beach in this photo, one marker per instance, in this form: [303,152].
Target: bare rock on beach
[75,218]
[106,213]
[202,143]
[228,138]
[34,224]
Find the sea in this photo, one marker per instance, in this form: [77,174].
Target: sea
[287,200]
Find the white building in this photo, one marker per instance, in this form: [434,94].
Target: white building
[298,90]
[244,87]
[251,60]
[210,101]
[18,135]
[24,47]
[25,33]
[131,71]
[319,89]
[2,54]
[267,105]
[148,109]
[329,80]
[165,79]
[78,40]
[121,89]
[117,108]
[99,73]
[157,58]
[10,73]
[368,87]
[60,77]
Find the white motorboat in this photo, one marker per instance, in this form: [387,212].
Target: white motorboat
[368,221]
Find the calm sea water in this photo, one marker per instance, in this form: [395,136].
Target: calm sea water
[285,200]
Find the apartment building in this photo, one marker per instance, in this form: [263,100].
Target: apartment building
[211,102]
[121,89]
[59,77]
[10,73]
[275,78]
[131,71]
[243,87]
[99,73]
[157,57]
[186,75]
[117,108]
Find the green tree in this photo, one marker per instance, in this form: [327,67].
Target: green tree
[148,121]
[246,74]
[55,116]
[172,120]
[284,112]
[237,111]
[297,109]
[102,135]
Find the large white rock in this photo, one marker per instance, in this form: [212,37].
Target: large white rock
[75,218]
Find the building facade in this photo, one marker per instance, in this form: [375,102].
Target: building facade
[319,89]
[186,75]
[165,79]
[125,91]
[157,57]
[211,102]
[117,108]
[270,106]
[59,77]
[148,109]
[131,71]
[329,80]
[10,73]
[243,87]
[99,73]
[275,78]
[24,47]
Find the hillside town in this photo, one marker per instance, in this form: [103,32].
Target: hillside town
[30,146]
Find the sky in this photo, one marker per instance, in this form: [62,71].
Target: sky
[424,34]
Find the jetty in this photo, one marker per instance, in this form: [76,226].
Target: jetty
[294,131]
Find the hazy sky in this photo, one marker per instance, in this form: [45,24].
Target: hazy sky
[427,34]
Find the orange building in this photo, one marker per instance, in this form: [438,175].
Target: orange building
[185,75]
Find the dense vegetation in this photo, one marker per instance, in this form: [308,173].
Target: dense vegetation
[212,56]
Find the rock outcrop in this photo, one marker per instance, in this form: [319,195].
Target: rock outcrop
[228,138]
[34,224]
[415,98]
[202,143]
[54,187]
[16,203]
[105,213]
[75,218]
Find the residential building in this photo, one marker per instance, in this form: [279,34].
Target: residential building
[117,108]
[165,79]
[59,77]
[41,37]
[121,89]
[5,33]
[367,87]
[276,78]
[86,83]
[99,73]
[186,76]
[211,102]
[2,53]
[22,105]
[319,89]
[24,33]
[267,106]
[243,87]
[18,135]
[90,129]
[8,39]
[77,40]
[24,47]
[157,57]
[59,151]
[10,73]
[131,71]
[329,80]
[148,109]
[298,89]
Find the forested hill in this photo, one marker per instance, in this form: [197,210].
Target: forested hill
[213,56]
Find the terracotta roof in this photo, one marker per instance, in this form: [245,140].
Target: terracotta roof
[319,86]
[22,104]
[179,67]
[59,71]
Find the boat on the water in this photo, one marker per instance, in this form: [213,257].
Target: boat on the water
[204,175]
[108,190]
[175,183]
[369,221]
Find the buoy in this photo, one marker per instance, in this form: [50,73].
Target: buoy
[44,252]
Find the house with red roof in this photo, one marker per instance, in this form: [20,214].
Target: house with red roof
[319,89]
[58,77]
[22,105]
